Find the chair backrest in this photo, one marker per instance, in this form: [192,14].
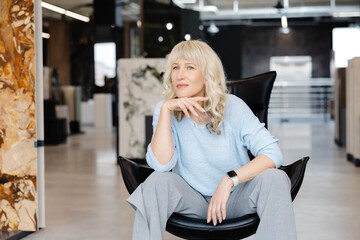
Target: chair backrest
[255,92]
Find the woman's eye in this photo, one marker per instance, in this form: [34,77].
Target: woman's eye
[175,68]
[190,67]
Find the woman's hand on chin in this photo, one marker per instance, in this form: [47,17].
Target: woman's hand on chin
[186,105]
[217,207]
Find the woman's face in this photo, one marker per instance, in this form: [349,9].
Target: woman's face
[187,79]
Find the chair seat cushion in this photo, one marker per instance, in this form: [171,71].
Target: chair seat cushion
[193,228]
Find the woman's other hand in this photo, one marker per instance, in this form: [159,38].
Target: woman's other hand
[217,207]
[186,105]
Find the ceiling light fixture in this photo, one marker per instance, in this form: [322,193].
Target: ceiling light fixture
[65,12]
[185,1]
[236,6]
[181,3]
[45,35]
[213,28]
[346,14]
[203,8]
[285,30]
[284,21]
[208,8]
[284,25]
[279,5]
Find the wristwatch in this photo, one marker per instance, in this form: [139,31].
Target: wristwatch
[233,177]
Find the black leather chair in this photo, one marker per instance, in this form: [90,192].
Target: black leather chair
[255,91]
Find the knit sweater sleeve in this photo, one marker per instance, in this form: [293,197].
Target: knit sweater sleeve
[253,134]
[150,157]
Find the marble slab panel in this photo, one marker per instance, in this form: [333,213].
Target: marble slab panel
[140,89]
[18,160]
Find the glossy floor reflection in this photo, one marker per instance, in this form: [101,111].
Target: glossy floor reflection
[85,195]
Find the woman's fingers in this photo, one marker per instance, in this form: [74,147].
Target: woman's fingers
[216,212]
[213,216]
[195,104]
[218,202]
[203,99]
[223,211]
[189,106]
[209,213]
[183,108]
[186,105]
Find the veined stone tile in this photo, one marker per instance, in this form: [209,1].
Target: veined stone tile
[18,161]
[140,89]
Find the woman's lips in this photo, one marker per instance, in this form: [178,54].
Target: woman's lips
[182,85]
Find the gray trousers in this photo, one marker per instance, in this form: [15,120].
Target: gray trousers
[163,193]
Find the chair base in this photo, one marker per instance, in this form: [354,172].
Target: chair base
[351,158]
[339,142]
[357,162]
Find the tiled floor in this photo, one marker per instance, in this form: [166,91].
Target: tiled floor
[85,195]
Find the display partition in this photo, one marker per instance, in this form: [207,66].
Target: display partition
[140,89]
[39,95]
[20,131]
[353,111]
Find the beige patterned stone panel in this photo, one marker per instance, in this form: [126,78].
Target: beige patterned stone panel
[18,166]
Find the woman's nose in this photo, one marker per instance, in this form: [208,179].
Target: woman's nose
[181,73]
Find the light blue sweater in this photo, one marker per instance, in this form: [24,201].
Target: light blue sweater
[203,158]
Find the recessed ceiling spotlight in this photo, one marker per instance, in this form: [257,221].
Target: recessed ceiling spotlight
[169,26]
[138,23]
[187,37]
[284,30]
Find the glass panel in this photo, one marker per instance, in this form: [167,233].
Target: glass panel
[345,45]
[105,62]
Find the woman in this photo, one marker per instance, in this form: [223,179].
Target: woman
[202,134]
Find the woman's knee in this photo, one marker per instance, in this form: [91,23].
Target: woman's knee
[275,177]
[159,179]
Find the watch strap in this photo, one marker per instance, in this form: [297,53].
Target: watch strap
[235,181]
[233,177]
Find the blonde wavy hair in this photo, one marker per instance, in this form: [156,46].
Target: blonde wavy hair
[203,56]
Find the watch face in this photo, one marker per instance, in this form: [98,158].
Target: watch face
[232,174]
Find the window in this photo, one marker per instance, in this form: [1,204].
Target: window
[105,62]
[346,45]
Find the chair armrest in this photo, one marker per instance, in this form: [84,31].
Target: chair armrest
[295,172]
[134,171]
